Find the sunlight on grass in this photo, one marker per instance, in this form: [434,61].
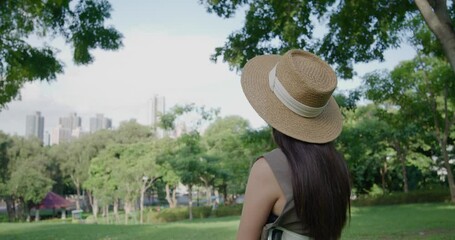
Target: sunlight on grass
[414,221]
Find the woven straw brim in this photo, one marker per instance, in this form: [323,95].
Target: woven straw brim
[255,83]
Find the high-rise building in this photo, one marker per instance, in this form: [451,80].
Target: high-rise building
[180,129]
[69,127]
[100,122]
[60,134]
[47,139]
[34,126]
[77,132]
[71,122]
[156,108]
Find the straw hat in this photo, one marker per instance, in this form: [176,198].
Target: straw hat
[293,94]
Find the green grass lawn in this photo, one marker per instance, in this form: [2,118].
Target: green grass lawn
[416,221]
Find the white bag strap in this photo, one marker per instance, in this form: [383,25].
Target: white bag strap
[289,235]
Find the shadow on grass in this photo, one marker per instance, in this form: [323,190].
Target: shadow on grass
[210,229]
[413,221]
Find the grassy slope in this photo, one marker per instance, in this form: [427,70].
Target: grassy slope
[417,221]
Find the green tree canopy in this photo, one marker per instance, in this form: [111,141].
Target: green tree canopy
[423,89]
[80,23]
[356,31]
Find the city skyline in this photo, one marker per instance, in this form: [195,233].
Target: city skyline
[69,127]
[167,49]
[34,125]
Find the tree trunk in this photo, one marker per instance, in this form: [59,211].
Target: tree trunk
[190,201]
[63,213]
[106,210]
[78,197]
[36,215]
[225,194]
[127,209]
[448,122]
[174,196]
[438,19]
[404,172]
[217,199]
[445,155]
[442,136]
[117,217]
[208,194]
[170,198]
[10,208]
[142,204]
[449,173]
[19,213]
[95,208]
[88,207]
[383,172]
[103,211]
[401,155]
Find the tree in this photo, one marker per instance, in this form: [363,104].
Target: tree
[5,144]
[223,139]
[80,24]
[364,148]
[140,169]
[27,182]
[102,184]
[131,132]
[165,152]
[187,158]
[357,31]
[425,86]
[123,171]
[75,157]
[187,163]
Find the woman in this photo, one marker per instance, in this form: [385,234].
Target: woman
[301,189]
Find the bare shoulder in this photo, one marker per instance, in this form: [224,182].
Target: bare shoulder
[261,169]
[263,179]
[260,197]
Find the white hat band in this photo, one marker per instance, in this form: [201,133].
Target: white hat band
[286,98]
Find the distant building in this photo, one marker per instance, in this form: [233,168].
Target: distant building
[69,128]
[34,126]
[77,133]
[59,135]
[100,122]
[156,108]
[71,122]
[47,139]
[180,128]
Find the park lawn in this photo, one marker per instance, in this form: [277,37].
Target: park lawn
[412,221]
[415,221]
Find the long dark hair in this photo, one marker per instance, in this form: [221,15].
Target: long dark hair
[321,185]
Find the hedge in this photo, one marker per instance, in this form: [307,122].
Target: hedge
[181,213]
[419,196]
[231,210]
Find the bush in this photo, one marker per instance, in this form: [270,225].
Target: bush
[231,210]
[3,217]
[420,196]
[181,213]
[202,212]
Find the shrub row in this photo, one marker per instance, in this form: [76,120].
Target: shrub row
[231,210]
[419,196]
[181,213]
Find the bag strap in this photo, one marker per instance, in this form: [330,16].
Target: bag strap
[285,234]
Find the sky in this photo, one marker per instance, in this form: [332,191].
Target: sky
[167,48]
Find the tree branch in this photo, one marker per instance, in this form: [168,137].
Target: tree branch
[439,22]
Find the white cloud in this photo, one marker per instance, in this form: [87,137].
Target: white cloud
[119,83]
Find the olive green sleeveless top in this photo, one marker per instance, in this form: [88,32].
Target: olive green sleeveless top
[288,218]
